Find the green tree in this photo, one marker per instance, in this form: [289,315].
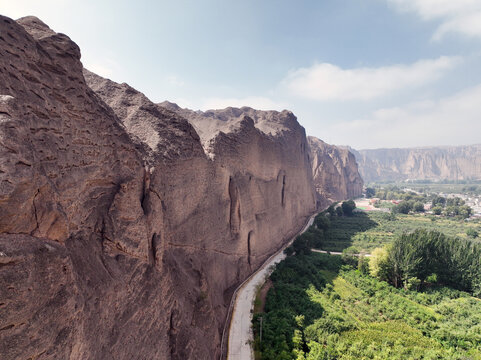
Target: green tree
[301,245]
[348,207]
[413,256]
[404,207]
[289,250]
[363,264]
[370,192]
[418,206]
[349,256]
[465,211]
[456,201]
[322,222]
[339,211]
[439,201]
[331,210]
[379,263]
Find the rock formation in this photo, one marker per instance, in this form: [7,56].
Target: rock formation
[335,172]
[430,163]
[124,226]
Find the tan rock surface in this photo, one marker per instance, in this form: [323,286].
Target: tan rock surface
[335,172]
[431,163]
[119,237]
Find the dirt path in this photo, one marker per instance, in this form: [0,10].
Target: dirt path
[337,253]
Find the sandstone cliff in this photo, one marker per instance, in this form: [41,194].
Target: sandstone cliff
[122,231]
[335,172]
[433,163]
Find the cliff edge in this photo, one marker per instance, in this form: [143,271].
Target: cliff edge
[335,172]
[126,226]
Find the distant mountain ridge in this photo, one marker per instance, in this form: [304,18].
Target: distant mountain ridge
[421,163]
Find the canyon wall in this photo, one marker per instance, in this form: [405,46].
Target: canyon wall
[430,163]
[126,225]
[335,172]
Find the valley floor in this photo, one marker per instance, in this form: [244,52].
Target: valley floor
[319,309]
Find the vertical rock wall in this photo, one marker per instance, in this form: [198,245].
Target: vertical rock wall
[124,226]
[335,172]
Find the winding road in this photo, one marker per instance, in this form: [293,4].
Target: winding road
[240,331]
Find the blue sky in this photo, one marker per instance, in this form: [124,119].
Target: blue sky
[365,73]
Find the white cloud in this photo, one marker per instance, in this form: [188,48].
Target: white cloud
[107,68]
[175,81]
[457,16]
[450,120]
[256,102]
[469,24]
[326,81]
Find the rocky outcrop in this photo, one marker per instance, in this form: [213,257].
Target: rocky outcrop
[124,226]
[433,163]
[335,172]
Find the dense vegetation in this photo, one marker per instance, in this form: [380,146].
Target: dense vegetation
[422,255]
[412,299]
[409,201]
[426,186]
[447,187]
[319,309]
[367,231]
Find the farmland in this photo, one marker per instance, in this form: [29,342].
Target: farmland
[366,231]
[320,309]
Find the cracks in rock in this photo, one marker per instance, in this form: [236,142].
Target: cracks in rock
[105,266]
[249,236]
[155,193]
[35,213]
[153,247]
[172,333]
[145,190]
[116,246]
[9,263]
[7,327]
[235,210]
[111,244]
[196,248]
[283,191]
[104,238]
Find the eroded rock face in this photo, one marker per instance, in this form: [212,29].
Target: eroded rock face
[434,163]
[123,233]
[335,172]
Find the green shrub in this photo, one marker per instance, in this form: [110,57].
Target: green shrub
[472,233]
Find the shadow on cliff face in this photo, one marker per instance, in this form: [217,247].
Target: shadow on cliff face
[340,235]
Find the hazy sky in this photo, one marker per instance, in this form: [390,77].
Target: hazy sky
[365,73]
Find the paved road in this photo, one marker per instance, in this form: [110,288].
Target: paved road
[240,332]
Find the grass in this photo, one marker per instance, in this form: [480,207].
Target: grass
[367,231]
